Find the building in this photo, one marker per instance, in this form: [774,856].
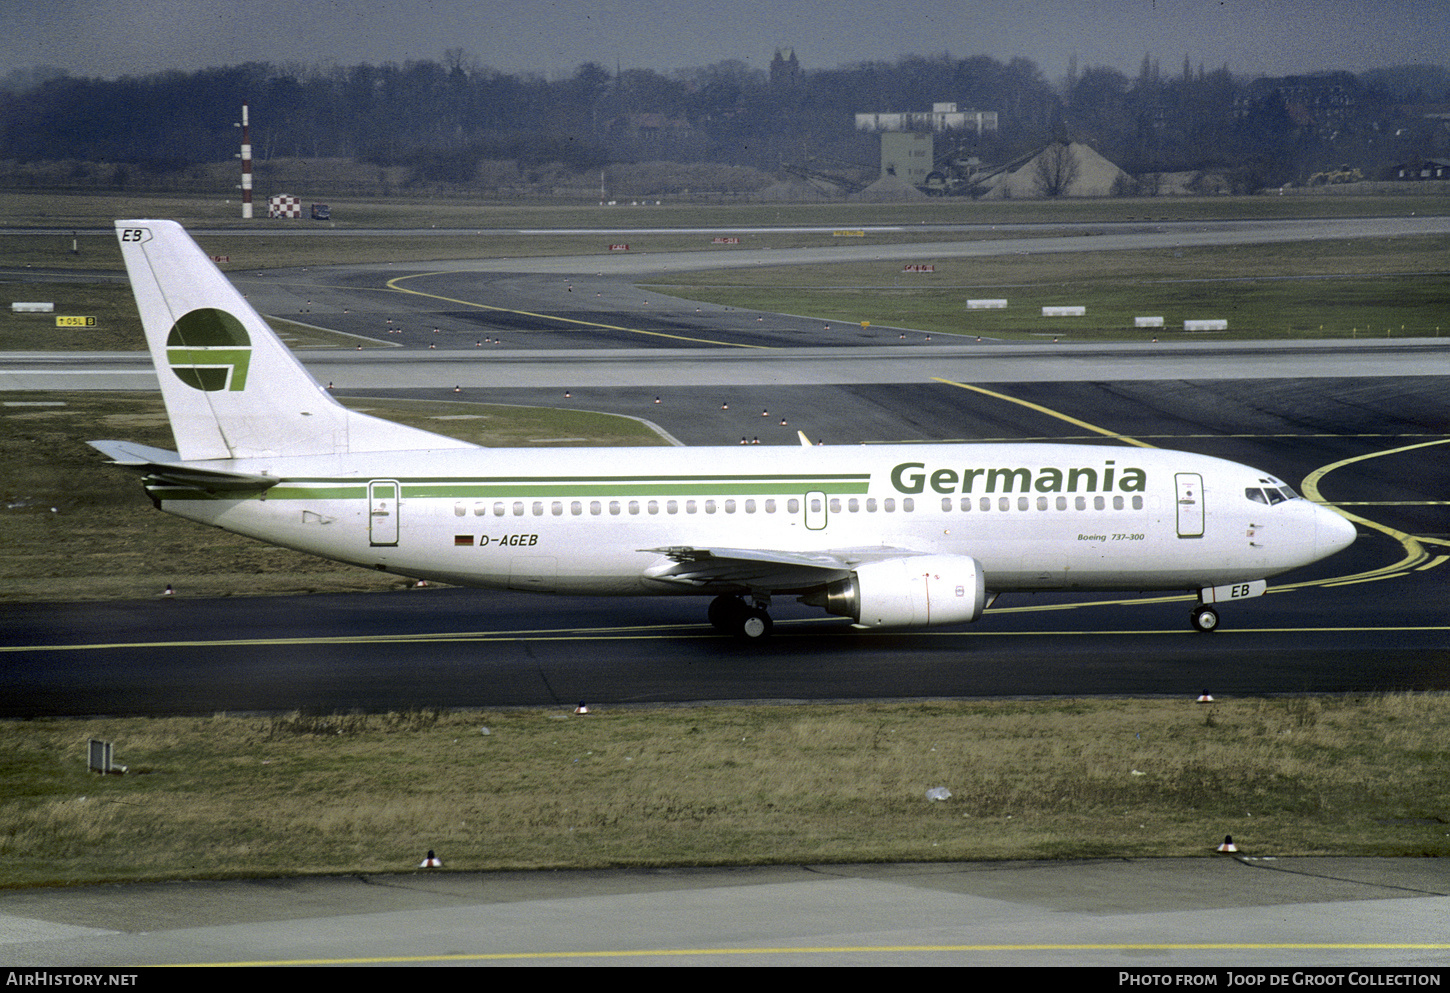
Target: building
[785,71]
[907,155]
[1422,169]
[941,117]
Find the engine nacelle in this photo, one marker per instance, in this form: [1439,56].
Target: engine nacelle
[915,591]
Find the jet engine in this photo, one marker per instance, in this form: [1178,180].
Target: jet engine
[915,591]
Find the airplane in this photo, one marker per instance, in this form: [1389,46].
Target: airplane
[896,536]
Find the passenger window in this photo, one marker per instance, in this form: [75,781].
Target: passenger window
[770,506]
[614,507]
[889,505]
[1099,503]
[653,506]
[1117,503]
[946,503]
[576,508]
[498,509]
[729,506]
[1062,503]
[596,508]
[1137,503]
[793,505]
[966,504]
[870,505]
[1023,503]
[691,507]
[1042,503]
[672,506]
[985,503]
[459,510]
[853,505]
[1004,503]
[750,506]
[634,506]
[518,508]
[835,505]
[557,506]
[709,506]
[908,504]
[1080,503]
[538,508]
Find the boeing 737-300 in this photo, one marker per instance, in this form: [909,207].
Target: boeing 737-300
[894,536]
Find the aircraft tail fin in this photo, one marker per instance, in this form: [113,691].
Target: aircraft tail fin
[232,389]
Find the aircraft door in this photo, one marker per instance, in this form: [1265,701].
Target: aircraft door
[815,510]
[1190,504]
[383,503]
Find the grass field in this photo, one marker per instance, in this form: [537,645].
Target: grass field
[298,794]
[1343,289]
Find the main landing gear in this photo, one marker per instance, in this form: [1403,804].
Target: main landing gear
[734,616]
[1204,618]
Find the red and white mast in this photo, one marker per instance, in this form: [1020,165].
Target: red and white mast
[246,167]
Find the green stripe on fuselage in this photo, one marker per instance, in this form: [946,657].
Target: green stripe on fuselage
[520,487]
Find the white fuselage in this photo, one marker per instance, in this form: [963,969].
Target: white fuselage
[593,520]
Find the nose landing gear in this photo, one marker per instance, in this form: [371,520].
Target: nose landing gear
[1204,619]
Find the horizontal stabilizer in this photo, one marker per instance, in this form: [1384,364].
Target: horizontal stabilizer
[162,464]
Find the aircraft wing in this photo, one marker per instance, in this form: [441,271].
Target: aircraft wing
[167,466]
[762,569]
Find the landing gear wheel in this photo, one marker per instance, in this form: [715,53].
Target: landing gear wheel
[1204,619]
[754,625]
[726,612]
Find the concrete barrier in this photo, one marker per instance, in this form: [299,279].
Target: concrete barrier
[1063,311]
[1147,322]
[1213,325]
[986,304]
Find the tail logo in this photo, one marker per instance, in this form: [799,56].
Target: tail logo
[208,349]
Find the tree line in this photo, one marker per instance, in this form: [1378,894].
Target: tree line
[443,118]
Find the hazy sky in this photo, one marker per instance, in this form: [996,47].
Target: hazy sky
[110,38]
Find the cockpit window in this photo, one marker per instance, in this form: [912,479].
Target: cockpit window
[1271,494]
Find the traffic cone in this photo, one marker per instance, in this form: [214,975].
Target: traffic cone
[1228,844]
[581,709]
[430,861]
[1204,697]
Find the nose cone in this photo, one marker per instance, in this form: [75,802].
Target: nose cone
[1333,533]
